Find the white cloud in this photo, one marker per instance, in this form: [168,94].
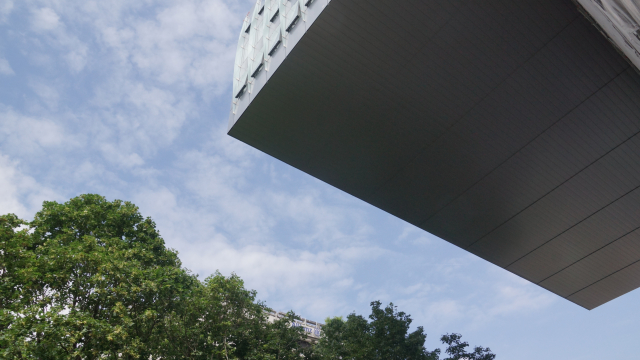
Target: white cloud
[131,120]
[517,295]
[48,94]
[414,236]
[286,278]
[27,135]
[44,19]
[117,156]
[19,193]
[498,295]
[146,72]
[189,43]
[325,225]
[5,68]
[6,6]
[252,212]
[9,180]
[76,57]
[269,269]
[95,176]
[447,311]
[47,23]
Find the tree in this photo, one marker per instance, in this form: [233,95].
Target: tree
[14,266]
[88,279]
[457,349]
[281,341]
[222,320]
[387,336]
[92,279]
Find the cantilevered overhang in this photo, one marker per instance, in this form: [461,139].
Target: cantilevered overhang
[509,128]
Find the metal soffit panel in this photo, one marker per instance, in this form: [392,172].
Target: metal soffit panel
[508,128]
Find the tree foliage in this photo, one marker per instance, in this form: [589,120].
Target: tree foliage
[93,279]
[387,336]
[457,349]
[222,320]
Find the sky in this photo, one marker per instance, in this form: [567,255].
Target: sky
[130,100]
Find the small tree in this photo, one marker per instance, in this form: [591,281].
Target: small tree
[457,349]
[387,336]
[222,320]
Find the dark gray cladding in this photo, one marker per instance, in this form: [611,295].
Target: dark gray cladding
[508,128]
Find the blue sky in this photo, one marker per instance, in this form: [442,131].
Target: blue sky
[130,99]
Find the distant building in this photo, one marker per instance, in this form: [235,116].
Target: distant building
[313,329]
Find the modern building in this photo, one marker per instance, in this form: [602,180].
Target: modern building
[510,128]
[312,329]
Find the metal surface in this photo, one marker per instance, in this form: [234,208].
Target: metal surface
[508,128]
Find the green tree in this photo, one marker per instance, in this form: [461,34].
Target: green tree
[387,336]
[222,320]
[14,266]
[281,341]
[87,279]
[92,279]
[457,349]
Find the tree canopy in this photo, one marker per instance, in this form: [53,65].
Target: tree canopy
[93,279]
[386,336]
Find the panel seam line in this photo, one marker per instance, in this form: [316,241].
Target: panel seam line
[572,176]
[463,116]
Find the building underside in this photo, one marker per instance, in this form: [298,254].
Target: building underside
[508,128]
